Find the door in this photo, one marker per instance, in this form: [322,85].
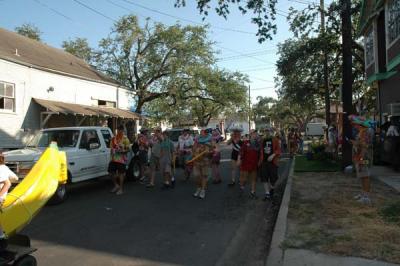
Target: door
[105,148]
[89,155]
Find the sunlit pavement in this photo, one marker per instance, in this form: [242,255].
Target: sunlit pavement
[146,227]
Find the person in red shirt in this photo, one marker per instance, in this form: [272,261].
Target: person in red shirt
[250,159]
[270,158]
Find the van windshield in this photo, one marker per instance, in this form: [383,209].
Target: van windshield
[174,134]
[64,138]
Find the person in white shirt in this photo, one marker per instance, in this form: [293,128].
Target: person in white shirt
[185,145]
[6,177]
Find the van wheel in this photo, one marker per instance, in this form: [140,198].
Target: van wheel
[60,195]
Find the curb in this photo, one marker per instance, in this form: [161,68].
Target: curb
[276,253]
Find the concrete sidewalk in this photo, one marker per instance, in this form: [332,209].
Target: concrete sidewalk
[387,176]
[301,257]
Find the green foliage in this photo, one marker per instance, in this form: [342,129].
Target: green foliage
[300,62]
[264,13]
[80,48]
[29,30]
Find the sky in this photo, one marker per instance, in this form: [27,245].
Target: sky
[235,39]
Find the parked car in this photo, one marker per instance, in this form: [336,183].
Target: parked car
[174,134]
[315,129]
[87,150]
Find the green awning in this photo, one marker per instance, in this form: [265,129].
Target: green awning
[380,76]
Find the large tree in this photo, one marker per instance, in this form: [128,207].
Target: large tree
[29,30]
[207,93]
[80,48]
[149,60]
[300,75]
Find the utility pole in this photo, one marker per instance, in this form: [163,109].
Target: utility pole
[347,80]
[249,109]
[325,58]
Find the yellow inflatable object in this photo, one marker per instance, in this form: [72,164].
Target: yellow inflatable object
[29,196]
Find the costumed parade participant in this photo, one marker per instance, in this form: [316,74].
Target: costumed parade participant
[154,156]
[250,159]
[292,140]
[215,162]
[166,157]
[117,167]
[143,146]
[362,155]
[270,159]
[201,151]
[185,145]
[236,142]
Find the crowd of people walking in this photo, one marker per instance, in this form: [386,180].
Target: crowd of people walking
[253,157]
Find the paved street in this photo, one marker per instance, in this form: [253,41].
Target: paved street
[142,227]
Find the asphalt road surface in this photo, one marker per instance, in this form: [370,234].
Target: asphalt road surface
[154,227]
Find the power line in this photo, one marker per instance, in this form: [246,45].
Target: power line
[256,69]
[233,57]
[184,19]
[242,54]
[124,8]
[263,88]
[94,10]
[53,10]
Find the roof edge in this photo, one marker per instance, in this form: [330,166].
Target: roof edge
[12,60]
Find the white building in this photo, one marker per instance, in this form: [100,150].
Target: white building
[41,87]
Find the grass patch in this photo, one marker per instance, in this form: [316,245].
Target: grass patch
[391,212]
[304,165]
[324,217]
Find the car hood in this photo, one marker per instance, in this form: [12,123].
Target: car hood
[28,154]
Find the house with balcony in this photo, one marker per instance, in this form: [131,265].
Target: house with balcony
[43,87]
[380,26]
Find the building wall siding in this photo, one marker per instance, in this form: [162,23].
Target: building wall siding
[390,91]
[393,50]
[17,128]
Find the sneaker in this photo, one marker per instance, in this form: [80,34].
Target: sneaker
[142,180]
[197,193]
[119,192]
[241,188]
[267,196]
[364,200]
[231,184]
[357,197]
[150,185]
[166,186]
[115,189]
[253,195]
[202,194]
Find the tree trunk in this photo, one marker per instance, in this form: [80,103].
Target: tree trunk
[139,107]
[347,81]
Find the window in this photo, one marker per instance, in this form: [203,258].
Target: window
[106,103]
[7,96]
[88,137]
[107,137]
[369,47]
[393,20]
[64,138]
